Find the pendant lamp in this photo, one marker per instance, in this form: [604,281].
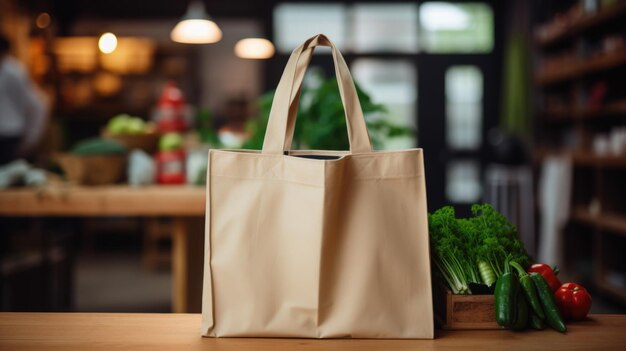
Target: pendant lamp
[254,48]
[196,27]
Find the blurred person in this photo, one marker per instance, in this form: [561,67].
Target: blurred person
[22,108]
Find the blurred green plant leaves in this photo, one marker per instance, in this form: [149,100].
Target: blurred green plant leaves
[321,123]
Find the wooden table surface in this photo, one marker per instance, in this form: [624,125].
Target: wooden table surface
[184,204]
[109,200]
[153,332]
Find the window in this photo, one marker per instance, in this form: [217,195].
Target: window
[464,107]
[384,28]
[448,27]
[441,27]
[393,83]
[293,23]
[463,181]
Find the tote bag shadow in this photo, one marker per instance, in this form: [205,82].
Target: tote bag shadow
[303,246]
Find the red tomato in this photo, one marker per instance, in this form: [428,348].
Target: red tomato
[573,300]
[548,274]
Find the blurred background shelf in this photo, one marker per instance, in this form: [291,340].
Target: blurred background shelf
[584,158]
[590,159]
[572,71]
[586,22]
[613,222]
[589,113]
[580,65]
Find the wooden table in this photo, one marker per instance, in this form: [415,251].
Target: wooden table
[185,204]
[153,332]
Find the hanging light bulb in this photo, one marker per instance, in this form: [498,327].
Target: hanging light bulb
[254,48]
[107,43]
[196,27]
[43,20]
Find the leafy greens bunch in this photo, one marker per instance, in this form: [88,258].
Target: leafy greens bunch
[473,250]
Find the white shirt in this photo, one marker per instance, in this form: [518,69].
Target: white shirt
[22,108]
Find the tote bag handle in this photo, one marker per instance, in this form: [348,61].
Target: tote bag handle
[284,109]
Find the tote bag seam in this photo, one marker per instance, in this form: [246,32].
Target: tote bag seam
[429,292]
[321,252]
[251,152]
[208,237]
[340,154]
[210,207]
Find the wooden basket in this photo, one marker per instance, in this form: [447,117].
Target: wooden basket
[459,312]
[147,141]
[93,170]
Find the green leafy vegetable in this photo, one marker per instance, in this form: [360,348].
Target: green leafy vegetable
[449,251]
[473,250]
[498,238]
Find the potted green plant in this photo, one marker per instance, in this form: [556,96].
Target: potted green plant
[321,123]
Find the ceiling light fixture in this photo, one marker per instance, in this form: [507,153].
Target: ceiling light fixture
[196,27]
[254,48]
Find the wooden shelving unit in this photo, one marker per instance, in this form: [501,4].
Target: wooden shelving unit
[581,68]
[579,26]
[570,115]
[81,110]
[586,159]
[613,222]
[589,159]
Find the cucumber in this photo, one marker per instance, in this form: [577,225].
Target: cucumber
[505,295]
[553,316]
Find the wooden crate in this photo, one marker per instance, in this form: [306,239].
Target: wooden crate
[93,169]
[457,312]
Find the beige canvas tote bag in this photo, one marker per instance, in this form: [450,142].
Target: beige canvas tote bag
[316,244]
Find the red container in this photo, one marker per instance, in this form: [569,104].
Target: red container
[171,110]
[171,167]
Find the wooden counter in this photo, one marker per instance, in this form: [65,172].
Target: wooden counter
[153,332]
[184,204]
[110,200]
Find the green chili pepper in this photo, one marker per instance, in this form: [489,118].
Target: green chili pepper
[529,289]
[521,321]
[553,316]
[505,296]
[536,322]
